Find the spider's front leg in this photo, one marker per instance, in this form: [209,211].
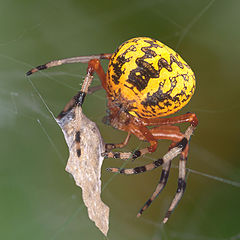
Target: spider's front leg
[94,65]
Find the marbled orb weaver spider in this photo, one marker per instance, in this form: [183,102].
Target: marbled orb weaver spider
[145,81]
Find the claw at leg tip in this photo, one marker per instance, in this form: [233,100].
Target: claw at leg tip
[28,73]
[139,215]
[165,220]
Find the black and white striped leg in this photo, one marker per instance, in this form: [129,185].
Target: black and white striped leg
[126,155]
[78,99]
[81,59]
[161,184]
[171,154]
[180,189]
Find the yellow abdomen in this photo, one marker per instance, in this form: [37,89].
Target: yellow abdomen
[149,78]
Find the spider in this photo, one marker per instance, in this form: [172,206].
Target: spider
[145,81]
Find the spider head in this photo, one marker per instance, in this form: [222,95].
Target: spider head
[117,114]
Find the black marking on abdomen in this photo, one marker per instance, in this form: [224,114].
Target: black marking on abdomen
[117,68]
[152,43]
[174,60]
[162,63]
[140,76]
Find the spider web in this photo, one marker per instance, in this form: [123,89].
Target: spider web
[41,200]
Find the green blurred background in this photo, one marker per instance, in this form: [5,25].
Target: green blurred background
[39,200]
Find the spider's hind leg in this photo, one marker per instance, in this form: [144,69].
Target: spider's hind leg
[181,183]
[161,184]
[169,156]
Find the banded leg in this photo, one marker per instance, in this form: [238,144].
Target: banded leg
[81,59]
[169,156]
[161,132]
[93,66]
[126,155]
[161,184]
[78,99]
[94,89]
[159,188]
[181,184]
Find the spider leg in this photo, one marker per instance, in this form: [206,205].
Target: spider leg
[94,65]
[169,156]
[126,155]
[161,184]
[188,117]
[110,146]
[141,132]
[161,132]
[81,59]
[94,89]
[181,184]
[154,131]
